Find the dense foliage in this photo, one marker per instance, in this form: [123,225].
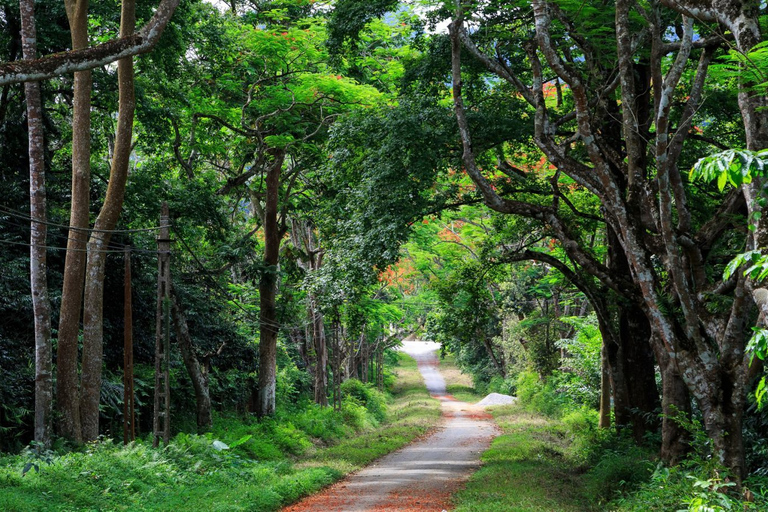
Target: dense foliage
[339,175]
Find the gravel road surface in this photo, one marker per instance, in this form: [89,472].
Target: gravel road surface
[423,475]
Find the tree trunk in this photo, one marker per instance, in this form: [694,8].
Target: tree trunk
[605,388]
[491,354]
[67,391]
[630,357]
[93,322]
[37,256]
[303,238]
[196,374]
[269,328]
[321,353]
[639,373]
[676,404]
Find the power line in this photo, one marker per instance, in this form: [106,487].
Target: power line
[114,245]
[51,248]
[21,215]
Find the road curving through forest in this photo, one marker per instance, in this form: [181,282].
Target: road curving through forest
[423,475]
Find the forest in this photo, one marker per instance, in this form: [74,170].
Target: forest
[219,220]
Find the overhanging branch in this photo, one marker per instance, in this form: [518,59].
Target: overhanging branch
[88,58]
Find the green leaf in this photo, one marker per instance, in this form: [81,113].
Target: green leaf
[722,180]
[760,393]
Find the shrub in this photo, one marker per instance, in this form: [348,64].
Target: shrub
[355,415]
[504,386]
[619,470]
[290,439]
[367,396]
[320,422]
[537,395]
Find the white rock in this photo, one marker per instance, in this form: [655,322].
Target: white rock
[220,446]
[497,399]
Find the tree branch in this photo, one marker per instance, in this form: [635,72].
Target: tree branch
[88,58]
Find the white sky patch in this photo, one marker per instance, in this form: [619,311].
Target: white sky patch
[219,4]
[421,8]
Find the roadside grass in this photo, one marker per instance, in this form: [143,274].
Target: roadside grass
[458,384]
[542,463]
[525,469]
[269,464]
[411,414]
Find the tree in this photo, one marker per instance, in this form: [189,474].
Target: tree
[67,392]
[706,346]
[37,256]
[277,103]
[304,238]
[79,405]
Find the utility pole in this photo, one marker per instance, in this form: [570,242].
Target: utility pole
[129,416]
[161,421]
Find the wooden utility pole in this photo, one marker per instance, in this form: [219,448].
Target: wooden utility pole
[129,429]
[161,420]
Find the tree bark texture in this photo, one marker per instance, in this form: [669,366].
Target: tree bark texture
[605,389]
[37,253]
[666,256]
[675,405]
[93,324]
[321,352]
[67,383]
[639,380]
[631,359]
[268,325]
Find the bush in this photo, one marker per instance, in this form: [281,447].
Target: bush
[320,422]
[355,415]
[290,439]
[367,396]
[678,489]
[538,396]
[623,469]
[504,386]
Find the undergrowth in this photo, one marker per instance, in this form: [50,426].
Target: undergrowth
[242,465]
[554,457]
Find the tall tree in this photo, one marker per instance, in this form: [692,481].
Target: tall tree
[37,252]
[646,200]
[304,238]
[277,104]
[67,392]
[93,305]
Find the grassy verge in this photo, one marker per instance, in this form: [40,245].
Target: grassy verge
[563,462]
[525,469]
[457,383]
[268,464]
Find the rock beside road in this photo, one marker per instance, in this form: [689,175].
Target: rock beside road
[496,399]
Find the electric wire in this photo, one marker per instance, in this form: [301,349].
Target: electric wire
[226,294]
[114,246]
[21,215]
[118,248]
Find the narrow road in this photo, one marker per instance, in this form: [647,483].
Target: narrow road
[423,475]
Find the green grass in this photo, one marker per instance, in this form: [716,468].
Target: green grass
[543,463]
[525,469]
[271,463]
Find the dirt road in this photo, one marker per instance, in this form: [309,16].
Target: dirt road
[423,475]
